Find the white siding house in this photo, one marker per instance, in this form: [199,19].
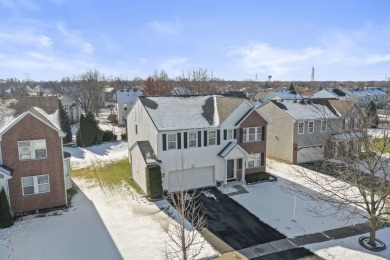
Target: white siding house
[125,99]
[363,96]
[71,107]
[331,93]
[188,138]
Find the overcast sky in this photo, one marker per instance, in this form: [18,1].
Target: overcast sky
[237,40]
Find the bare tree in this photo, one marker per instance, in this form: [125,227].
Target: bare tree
[185,242]
[86,89]
[355,181]
[198,81]
[158,84]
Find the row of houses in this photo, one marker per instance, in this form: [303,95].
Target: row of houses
[201,141]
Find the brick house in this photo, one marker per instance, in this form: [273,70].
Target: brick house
[198,141]
[33,168]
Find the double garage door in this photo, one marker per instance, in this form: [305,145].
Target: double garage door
[191,179]
[310,154]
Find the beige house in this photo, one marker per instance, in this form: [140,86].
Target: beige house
[310,130]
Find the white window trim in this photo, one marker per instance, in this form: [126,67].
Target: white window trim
[245,135]
[256,160]
[171,141]
[324,124]
[232,134]
[308,127]
[32,149]
[196,139]
[208,137]
[36,184]
[303,128]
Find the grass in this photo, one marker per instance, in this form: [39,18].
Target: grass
[109,175]
[379,144]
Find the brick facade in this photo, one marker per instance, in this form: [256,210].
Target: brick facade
[30,128]
[253,120]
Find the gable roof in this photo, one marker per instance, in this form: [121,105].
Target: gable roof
[305,109]
[50,104]
[146,150]
[189,112]
[6,172]
[342,107]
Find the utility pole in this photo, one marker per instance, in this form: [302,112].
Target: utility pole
[312,73]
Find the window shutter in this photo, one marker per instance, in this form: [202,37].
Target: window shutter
[262,133]
[185,140]
[235,133]
[164,139]
[241,135]
[199,138]
[205,138]
[224,134]
[262,159]
[218,137]
[178,140]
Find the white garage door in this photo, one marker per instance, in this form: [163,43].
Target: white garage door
[191,178]
[310,154]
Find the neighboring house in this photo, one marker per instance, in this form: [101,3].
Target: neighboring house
[180,91]
[198,141]
[125,99]
[72,108]
[34,170]
[310,130]
[38,90]
[330,93]
[278,95]
[363,96]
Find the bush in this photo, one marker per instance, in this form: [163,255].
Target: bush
[257,177]
[108,136]
[112,118]
[5,212]
[124,136]
[154,182]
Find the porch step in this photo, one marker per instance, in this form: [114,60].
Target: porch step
[235,183]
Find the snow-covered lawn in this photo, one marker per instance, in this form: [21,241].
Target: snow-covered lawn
[101,224]
[106,152]
[272,204]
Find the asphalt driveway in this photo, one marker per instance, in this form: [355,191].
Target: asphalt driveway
[234,224]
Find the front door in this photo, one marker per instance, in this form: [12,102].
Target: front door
[230,169]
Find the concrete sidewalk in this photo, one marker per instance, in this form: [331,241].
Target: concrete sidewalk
[288,244]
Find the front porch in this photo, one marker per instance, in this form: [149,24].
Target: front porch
[234,158]
[344,145]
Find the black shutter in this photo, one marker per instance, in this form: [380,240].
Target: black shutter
[224,134]
[199,138]
[262,159]
[262,133]
[218,137]
[164,137]
[235,133]
[241,135]
[178,140]
[185,140]
[205,138]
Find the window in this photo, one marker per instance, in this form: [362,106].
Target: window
[67,168]
[35,184]
[34,149]
[347,122]
[323,125]
[301,128]
[230,134]
[172,141]
[212,137]
[252,134]
[192,139]
[310,127]
[254,160]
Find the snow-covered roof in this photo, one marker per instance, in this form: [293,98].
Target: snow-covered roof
[127,95]
[189,112]
[305,109]
[369,91]
[347,136]
[287,94]
[335,92]
[227,149]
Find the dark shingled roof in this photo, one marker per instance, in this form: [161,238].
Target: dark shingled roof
[339,92]
[146,150]
[226,106]
[50,104]
[5,170]
[67,155]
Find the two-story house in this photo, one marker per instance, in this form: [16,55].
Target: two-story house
[363,96]
[72,108]
[34,170]
[301,130]
[198,141]
[125,99]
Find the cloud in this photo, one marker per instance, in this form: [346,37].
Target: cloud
[335,48]
[172,66]
[166,27]
[26,37]
[16,6]
[74,38]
